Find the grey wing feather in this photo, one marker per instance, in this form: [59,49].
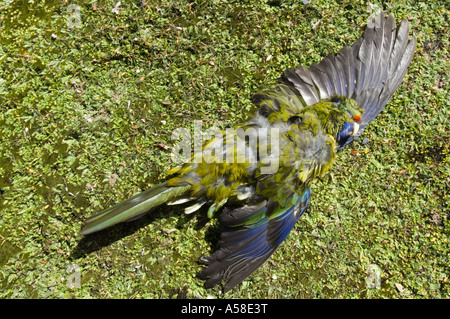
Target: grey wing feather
[369,72]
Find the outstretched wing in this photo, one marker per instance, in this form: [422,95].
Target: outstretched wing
[250,235]
[369,72]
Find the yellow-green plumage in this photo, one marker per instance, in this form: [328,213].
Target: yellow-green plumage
[306,150]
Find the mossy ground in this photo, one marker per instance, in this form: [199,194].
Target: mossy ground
[85,109]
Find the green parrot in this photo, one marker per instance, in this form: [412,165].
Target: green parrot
[258,177]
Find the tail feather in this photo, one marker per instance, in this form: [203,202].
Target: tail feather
[133,207]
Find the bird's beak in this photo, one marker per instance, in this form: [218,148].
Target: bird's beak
[355,128]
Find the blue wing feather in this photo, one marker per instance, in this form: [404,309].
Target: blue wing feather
[244,248]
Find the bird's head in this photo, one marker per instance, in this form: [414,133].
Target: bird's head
[351,109]
[353,114]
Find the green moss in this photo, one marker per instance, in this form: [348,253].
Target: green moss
[83,111]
